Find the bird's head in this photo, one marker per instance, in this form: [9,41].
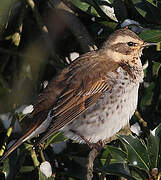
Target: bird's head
[124,44]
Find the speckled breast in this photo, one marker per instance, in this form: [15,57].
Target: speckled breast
[111,112]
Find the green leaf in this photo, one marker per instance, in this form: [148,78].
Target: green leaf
[156,66]
[111,25]
[148,10]
[57,137]
[154,3]
[5,168]
[119,169]
[117,155]
[85,6]
[138,174]
[148,95]
[153,149]
[137,153]
[158,131]
[151,35]
[140,7]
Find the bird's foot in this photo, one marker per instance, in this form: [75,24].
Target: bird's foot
[98,146]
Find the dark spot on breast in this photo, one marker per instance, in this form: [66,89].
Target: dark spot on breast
[123,83]
[117,107]
[111,97]
[112,102]
[107,114]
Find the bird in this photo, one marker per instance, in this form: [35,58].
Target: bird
[94,97]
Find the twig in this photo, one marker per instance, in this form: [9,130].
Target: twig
[9,131]
[42,155]
[141,120]
[91,157]
[34,157]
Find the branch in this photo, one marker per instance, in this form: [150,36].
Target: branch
[91,157]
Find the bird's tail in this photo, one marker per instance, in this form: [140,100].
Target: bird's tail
[37,120]
[12,148]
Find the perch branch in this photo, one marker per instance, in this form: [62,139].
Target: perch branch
[90,162]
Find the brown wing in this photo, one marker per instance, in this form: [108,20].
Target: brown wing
[82,85]
[71,93]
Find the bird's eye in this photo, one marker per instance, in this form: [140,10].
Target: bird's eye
[131,44]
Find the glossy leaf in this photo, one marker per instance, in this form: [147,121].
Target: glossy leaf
[153,2]
[148,10]
[156,67]
[158,131]
[85,6]
[137,153]
[147,98]
[117,155]
[151,35]
[119,169]
[140,6]
[57,137]
[153,150]
[138,174]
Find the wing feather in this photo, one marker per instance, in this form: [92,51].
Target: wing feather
[83,87]
[69,94]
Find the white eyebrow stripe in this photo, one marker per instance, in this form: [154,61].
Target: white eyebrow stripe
[125,39]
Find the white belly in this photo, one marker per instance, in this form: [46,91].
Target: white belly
[111,113]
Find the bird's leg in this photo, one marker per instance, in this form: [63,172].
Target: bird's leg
[85,139]
[99,145]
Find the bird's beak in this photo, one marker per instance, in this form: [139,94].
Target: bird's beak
[146,44]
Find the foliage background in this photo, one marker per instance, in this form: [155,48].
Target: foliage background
[36,39]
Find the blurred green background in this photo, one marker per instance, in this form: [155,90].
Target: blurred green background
[38,39]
